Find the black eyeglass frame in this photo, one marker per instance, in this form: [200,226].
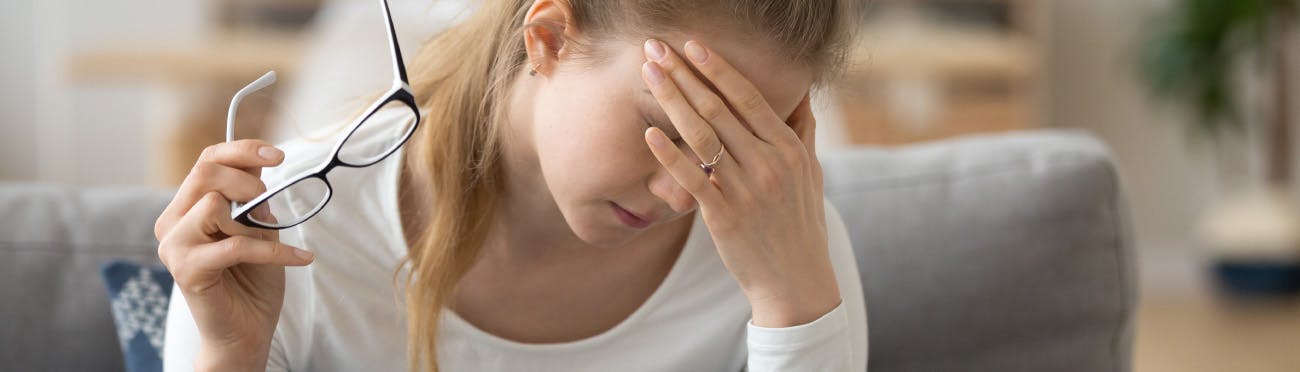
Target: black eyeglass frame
[401,92]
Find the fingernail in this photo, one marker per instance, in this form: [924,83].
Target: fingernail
[696,52]
[655,50]
[269,153]
[303,254]
[655,138]
[653,72]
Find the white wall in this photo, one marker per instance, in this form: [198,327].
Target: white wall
[1094,87]
[1170,177]
[54,129]
[16,85]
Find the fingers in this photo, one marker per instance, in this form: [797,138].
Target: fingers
[804,124]
[246,153]
[695,130]
[707,105]
[209,221]
[231,169]
[743,95]
[207,241]
[683,170]
[231,183]
[242,249]
[234,184]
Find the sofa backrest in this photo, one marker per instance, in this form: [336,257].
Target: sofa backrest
[992,253]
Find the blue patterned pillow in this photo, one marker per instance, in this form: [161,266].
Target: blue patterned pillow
[139,296]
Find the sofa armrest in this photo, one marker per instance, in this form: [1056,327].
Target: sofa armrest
[992,253]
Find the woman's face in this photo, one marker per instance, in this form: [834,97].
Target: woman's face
[587,129]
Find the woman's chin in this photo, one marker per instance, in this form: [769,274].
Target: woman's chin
[605,235]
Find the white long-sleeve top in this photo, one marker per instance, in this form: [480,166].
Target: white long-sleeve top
[342,313]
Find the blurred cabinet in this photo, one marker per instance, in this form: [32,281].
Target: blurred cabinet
[932,69]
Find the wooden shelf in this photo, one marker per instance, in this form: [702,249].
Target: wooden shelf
[945,54]
[230,56]
[917,76]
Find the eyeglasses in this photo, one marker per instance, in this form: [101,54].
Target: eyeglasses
[387,124]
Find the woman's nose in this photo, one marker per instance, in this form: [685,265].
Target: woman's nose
[666,188]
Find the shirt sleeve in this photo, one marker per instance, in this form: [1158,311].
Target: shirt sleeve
[292,331]
[837,341]
[181,341]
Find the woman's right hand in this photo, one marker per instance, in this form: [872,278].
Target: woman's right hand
[231,275]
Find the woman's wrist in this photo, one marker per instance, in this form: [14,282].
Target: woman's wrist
[792,307]
[231,357]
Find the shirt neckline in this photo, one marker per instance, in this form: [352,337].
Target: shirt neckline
[450,318]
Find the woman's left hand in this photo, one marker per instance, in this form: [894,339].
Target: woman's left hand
[763,200]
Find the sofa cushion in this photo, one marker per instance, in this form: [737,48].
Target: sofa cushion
[991,253]
[139,296]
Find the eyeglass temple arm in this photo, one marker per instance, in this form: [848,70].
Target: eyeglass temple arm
[399,67]
[262,82]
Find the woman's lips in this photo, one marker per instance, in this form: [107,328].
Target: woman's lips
[629,218]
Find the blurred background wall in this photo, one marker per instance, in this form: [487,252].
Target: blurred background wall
[55,129]
[1171,176]
[1168,179]
[17,33]
[82,130]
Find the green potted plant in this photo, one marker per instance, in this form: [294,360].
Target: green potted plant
[1194,57]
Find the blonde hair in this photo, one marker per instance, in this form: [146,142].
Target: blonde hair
[461,80]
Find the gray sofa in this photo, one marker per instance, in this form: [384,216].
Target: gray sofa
[992,253]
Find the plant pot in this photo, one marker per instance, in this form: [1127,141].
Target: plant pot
[1257,279]
[1254,244]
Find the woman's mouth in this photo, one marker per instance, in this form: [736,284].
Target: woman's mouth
[629,218]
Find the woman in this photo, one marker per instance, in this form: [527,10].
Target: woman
[551,213]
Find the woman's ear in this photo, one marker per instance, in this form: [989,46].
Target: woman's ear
[546,26]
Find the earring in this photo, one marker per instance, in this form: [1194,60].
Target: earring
[533,71]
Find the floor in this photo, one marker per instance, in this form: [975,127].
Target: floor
[1183,325]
